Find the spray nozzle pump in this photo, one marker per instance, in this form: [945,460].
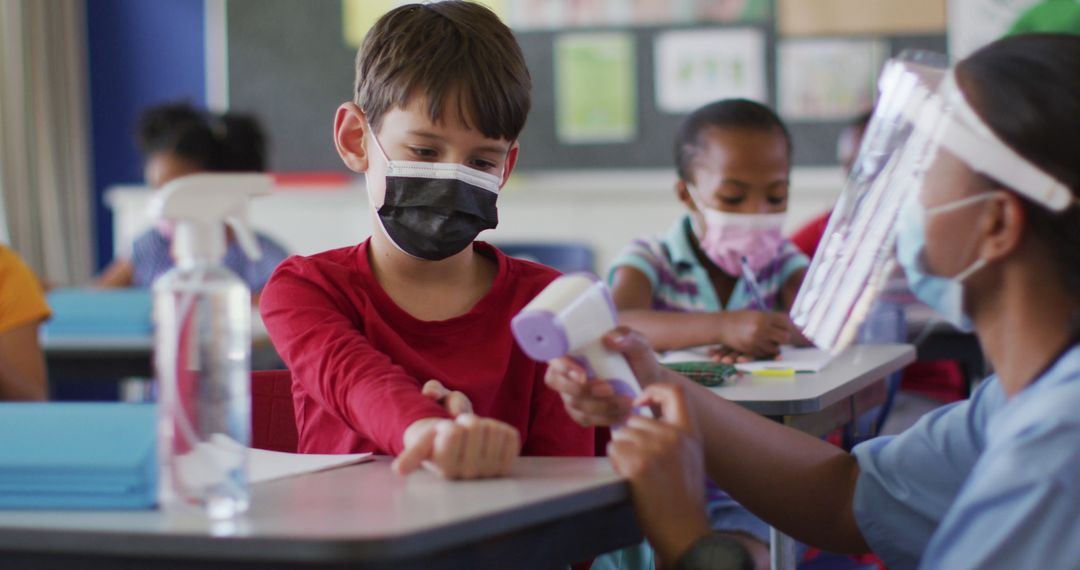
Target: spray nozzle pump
[201,205]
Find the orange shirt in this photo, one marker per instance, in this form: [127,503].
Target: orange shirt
[21,299]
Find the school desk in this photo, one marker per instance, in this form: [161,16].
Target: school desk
[552,512]
[852,384]
[109,357]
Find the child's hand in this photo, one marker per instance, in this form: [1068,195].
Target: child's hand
[456,403]
[757,334]
[725,355]
[468,447]
[663,459]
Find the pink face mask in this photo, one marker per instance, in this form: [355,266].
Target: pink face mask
[728,237]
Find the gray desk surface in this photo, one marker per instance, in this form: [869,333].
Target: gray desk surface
[856,368]
[113,357]
[141,344]
[366,515]
[357,514]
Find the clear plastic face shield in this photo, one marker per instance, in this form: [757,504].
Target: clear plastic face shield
[921,114]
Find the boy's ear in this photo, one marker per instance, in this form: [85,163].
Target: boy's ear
[683,194]
[511,162]
[350,126]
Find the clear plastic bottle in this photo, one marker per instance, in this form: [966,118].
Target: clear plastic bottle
[202,344]
[202,314]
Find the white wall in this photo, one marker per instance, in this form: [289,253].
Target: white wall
[604,209]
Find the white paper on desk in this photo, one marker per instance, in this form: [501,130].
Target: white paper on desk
[800,359]
[688,355]
[266,465]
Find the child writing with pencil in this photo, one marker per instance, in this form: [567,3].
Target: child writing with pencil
[719,275]
[724,275]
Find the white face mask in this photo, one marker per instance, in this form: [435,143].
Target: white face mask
[943,294]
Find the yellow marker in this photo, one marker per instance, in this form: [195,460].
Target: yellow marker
[774,372]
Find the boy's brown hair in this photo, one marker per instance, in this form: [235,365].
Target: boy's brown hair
[441,50]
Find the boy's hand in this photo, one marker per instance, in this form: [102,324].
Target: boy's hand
[663,459]
[757,334]
[593,402]
[467,447]
[456,403]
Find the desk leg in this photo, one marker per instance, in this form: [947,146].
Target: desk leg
[781,550]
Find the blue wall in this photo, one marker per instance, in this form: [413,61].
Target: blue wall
[142,53]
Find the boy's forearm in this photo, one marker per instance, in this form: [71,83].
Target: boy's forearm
[669,330]
[801,484]
[385,414]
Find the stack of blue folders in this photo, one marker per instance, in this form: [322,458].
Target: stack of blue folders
[100,312]
[100,455]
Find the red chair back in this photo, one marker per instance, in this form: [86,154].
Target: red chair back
[273,423]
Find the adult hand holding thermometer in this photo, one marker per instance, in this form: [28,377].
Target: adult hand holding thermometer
[570,318]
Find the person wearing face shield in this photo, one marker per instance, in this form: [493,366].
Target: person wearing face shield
[980,194]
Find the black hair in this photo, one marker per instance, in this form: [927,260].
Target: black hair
[218,143]
[724,114]
[860,121]
[1027,90]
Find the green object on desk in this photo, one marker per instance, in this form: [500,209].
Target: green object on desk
[710,374]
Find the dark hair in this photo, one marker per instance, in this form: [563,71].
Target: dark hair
[219,143]
[1027,90]
[725,114]
[860,121]
[442,49]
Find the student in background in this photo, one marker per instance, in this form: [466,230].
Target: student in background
[808,237]
[689,288]
[22,310]
[990,482]
[177,140]
[442,93]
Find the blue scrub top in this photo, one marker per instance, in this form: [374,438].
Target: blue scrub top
[989,482]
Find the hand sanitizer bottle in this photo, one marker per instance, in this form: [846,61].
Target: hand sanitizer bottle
[202,345]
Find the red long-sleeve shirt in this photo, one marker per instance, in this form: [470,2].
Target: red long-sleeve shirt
[358,360]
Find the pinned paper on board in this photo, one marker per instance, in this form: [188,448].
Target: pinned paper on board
[561,14]
[595,88]
[728,11]
[696,67]
[859,17]
[825,80]
[358,16]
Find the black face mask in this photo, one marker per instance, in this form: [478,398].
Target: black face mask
[435,218]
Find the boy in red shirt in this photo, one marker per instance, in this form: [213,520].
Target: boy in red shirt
[442,92]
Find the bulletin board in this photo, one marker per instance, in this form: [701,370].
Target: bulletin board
[290,64]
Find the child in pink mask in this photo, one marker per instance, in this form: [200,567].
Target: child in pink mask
[692,286]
